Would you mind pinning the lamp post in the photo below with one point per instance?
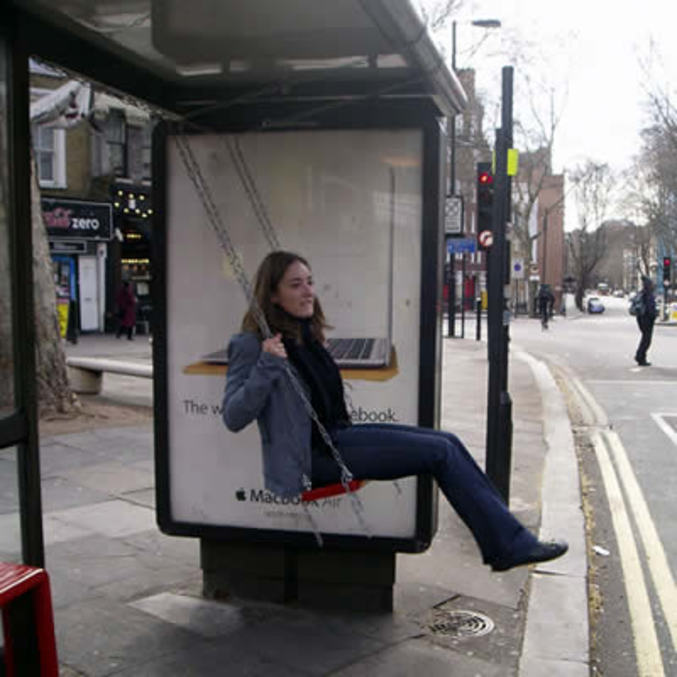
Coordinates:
(451, 296)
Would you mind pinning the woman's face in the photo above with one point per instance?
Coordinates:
(295, 292)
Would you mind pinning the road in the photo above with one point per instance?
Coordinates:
(628, 452)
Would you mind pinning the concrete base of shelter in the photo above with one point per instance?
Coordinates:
(344, 580)
(84, 381)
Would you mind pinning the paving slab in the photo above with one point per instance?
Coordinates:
(111, 478)
(59, 493)
(420, 657)
(216, 660)
(303, 643)
(113, 518)
(100, 639)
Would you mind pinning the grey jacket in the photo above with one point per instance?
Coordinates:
(258, 387)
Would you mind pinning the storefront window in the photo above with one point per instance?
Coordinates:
(146, 151)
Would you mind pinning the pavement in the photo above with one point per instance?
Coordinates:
(127, 599)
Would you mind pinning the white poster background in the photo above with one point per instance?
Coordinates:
(328, 196)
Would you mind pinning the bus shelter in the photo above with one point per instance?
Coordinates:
(312, 126)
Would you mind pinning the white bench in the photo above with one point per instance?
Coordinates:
(85, 374)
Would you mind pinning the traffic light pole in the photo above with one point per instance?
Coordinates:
(499, 402)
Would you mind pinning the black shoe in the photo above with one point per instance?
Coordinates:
(541, 551)
(644, 363)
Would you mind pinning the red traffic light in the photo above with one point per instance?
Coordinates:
(485, 178)
(666, 260)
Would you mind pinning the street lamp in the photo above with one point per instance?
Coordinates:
(479, 23)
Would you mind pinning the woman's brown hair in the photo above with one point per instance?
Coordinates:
(266, 281)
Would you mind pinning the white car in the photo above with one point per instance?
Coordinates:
(595, 305)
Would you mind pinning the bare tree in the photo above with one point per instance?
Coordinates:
(593, 185)
(54, 392)
(654, 180)
(538, 112)
(642, 242)
(436, 13)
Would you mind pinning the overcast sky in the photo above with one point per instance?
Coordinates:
(590, 51)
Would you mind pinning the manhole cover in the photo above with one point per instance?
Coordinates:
(460, 623)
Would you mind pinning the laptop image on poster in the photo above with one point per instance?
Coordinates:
(355, 353)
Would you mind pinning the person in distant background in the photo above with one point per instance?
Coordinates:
(126, 304)
(545, 301)
(646, 317)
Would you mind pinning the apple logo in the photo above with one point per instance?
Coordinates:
(241, 495)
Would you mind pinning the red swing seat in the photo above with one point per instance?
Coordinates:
(331, 490)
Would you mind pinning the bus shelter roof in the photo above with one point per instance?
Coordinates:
(181, 55)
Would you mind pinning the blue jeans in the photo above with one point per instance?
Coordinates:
(388, 452)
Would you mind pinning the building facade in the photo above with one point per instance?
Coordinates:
(94, 176)
(471, 147)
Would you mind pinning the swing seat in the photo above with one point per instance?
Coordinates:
(331, 490)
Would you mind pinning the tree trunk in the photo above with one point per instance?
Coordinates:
(578, 297)
(54, 392)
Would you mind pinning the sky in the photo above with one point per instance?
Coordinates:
(590, 52)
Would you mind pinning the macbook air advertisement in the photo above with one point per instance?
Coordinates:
(350, 202)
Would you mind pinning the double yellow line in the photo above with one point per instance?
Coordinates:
(616, 472)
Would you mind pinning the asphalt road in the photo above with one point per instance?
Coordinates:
(628, 455)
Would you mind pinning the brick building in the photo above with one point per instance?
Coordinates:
(538, 243)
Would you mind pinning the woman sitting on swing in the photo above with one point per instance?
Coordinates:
(258, 388)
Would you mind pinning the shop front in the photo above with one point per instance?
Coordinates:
(131, 260)
(79, 233)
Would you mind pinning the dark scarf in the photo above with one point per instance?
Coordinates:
(319, 371)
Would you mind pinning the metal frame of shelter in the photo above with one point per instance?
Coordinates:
(415, 94)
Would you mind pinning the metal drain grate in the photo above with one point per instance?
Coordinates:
(460, 624)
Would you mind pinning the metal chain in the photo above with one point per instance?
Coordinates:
(249, 185)
(195, 174)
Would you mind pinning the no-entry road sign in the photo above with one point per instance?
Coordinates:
(485, 239)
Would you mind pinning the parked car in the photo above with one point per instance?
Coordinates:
(595, 305)
(619, 293)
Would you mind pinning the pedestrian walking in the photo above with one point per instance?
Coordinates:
(296, 448)
(126, 310)
(644, 305)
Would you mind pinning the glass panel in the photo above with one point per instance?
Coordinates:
(117, 159)
(10, 526)
(46, 166)
(46, 138)
(6, 339)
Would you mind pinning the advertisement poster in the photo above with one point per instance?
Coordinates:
(350, 202)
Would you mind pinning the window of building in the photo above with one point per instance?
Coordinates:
(146, 151)
(50, 156)
(116, 139)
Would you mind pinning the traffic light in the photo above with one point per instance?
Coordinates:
(667, 264)
(485, 202)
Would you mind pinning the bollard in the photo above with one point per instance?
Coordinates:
(478, 326)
